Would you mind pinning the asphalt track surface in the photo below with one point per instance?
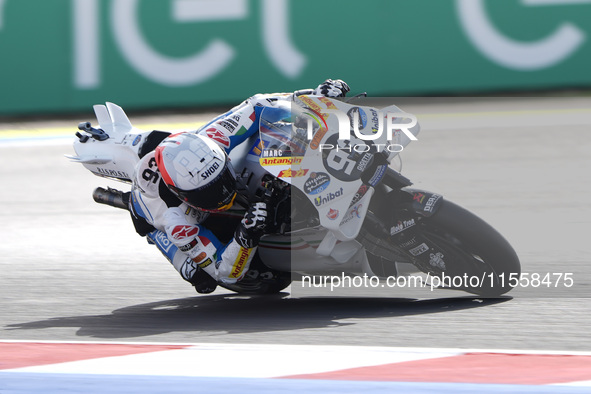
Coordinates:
(73, 270)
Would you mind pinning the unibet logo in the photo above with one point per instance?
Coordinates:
(329, 197)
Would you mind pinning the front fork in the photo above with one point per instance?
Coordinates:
(405, 226)
(393, 231)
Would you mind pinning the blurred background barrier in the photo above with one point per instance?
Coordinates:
(65, 55)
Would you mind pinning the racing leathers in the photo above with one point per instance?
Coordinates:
(177, 228)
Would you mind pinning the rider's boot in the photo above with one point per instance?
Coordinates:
(203, 282)
(186, 267)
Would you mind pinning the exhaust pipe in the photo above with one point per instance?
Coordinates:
(112, 197)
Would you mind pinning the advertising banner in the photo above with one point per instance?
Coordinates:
(65, 55)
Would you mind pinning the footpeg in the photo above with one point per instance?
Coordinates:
(112, 197)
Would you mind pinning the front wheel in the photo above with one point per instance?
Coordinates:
(464, 246)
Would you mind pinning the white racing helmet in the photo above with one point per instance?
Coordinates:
(197, 171)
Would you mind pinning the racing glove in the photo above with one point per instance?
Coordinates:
(331, 88)
(252, 227)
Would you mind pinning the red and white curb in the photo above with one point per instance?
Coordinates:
(353, 363)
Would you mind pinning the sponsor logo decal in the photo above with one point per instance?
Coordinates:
(408, 243)
(228, 124)
(422, 248)
(240, 261)
(353, 213)
(180, 232)
(189, 246)
(113, 173)
(188, 269)
(313, 106)
(431, 202)
(243, 241)
(320, 200)
(275, 161)
(315, 143)
(359, 195)
(376, 121)
(317, 182)
(378, 175)
(162, 241)
(319, 118)
(136, 140)
(218, 137)
(289, 173)
(276, 153)
(436, 260)
(332, 214)
(361, 118)
(205, 263)
(200, 257)
(365, 160)
(210, 171)
(257, 148)
(355, 210)
(418, 197)
(329, 104)
(401, 226)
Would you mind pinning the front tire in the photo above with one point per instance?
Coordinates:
(471, 248)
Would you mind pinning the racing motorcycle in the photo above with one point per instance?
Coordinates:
(337, 205)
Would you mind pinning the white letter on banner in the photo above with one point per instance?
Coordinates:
(276, 39)
(1, 12)
(85, 33)
(514, 54)
(554, 2)
(165, 69)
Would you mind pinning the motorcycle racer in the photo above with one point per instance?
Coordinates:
(187, 176)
